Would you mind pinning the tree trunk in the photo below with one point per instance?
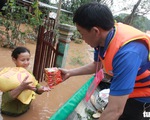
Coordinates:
(129, 19)
(58, 13)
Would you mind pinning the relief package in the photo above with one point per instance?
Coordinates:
(53, 76)
(102, 99)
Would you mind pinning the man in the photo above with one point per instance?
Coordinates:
(124, 54)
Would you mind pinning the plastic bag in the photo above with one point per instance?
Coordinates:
(53, 76)
(101, 99)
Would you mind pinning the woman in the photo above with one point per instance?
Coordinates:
(10, 104)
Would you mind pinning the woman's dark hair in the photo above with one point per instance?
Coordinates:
(94, 14)
(19, 50)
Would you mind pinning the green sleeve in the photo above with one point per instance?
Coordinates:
(11, 106)
(6, 97)
(38, 86)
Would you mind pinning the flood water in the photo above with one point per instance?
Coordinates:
(45, 105)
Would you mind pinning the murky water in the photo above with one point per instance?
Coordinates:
(45, 105)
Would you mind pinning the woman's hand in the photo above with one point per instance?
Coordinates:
(26, 84)
(23, 86)
(42, 89)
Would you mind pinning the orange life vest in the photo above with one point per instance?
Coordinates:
(123, 35)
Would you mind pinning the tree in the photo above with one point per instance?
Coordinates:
(72, 5)
(13, 18)
(140, 22)
(129, 19)
(133, 8)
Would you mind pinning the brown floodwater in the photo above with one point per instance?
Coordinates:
(45, 105)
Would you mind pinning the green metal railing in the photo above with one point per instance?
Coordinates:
(67, 108)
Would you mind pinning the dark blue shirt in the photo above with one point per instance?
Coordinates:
(125, 64)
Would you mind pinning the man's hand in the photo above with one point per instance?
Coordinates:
(64, 73)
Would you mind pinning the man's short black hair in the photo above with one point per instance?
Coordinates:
(94, 14)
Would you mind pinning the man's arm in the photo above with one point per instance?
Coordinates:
(84, 70)
(87, 69)
(114, 108)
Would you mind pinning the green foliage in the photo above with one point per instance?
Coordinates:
(77, 61)
(35, 19)
(89, 112)
(78, 41)
(139, 22)
(72, 5)
(120, 17)
(77, 38)
(66, 18)
(79, 116)
(13, 18)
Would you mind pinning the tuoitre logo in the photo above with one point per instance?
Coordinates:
(146, 114)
